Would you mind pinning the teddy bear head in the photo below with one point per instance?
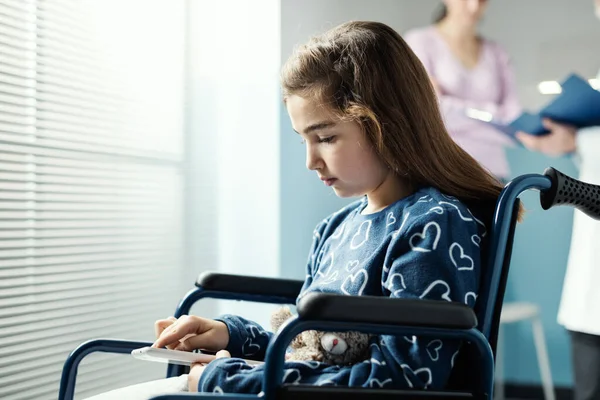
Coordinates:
(338, 348)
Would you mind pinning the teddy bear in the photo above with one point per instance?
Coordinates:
(337, 348)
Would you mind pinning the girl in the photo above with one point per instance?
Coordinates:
(469, 71)
(368, 116)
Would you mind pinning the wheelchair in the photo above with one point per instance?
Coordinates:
(473, 373)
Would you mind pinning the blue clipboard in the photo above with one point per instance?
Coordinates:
(526, 122)
(578, 104)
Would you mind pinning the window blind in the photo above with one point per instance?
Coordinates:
(91, 185)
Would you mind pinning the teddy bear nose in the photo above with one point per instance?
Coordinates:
(335, 342)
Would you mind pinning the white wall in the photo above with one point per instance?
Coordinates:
(546, 38)
(234, 141)
(302, 19)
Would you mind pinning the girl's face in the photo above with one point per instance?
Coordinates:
(468, 11)
(338, 151)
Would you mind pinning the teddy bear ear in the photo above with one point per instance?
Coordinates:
(279, 316)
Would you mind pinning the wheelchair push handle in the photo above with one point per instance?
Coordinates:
(567, 191)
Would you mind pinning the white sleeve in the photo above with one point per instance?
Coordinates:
(587, 157)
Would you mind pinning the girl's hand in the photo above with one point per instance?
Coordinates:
(190, 332)
(162, 324)
(197, 370)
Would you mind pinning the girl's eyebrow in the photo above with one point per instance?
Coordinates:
(317, 126)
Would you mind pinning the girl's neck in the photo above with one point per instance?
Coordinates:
(392, 189)
(457, 31)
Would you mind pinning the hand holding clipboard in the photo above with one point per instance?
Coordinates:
(577, 105)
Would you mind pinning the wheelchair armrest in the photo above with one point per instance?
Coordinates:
(251, 285)
(385, 310)
(69, 372)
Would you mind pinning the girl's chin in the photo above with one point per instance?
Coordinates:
(340, 192)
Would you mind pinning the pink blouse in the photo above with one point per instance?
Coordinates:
(488, 86)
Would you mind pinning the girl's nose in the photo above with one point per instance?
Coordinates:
(313, 160)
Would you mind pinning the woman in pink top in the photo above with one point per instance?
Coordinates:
(469, 72)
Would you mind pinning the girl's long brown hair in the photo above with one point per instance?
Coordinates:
(365, 71)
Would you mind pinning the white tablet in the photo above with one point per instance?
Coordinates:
(175, 356)
(171, 356)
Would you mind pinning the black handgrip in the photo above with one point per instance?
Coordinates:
(566, 191)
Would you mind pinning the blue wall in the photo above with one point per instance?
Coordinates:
(539, 257)
(537, 272)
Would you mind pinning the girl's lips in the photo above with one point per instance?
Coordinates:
(329, 181)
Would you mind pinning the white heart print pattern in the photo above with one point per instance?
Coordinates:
(470, 295)
(351, 265)
(332, 277)
(412, 339)
(325, 382)
(375, 361)
(395, 281)
(451, 198)
(464, 218)
(432, 228)
(309, 364)
(453, 358)
(424, 374)
(397, 231)
(250, 348)
(433, 349)
(324, 271)
(359, 279)
(292, 376)
(338, 232)
(461, 261)
(350, 272)
(437, 209)
(482, 225)
(361, 237)
(376, 383)
(319, 258)
(479, 222)
(391, 220)
(441, 284)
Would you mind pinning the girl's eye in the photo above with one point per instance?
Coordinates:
(327, 139)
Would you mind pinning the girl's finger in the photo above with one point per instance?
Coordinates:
(222, 354)
(185, 344)
(173, 333)
(162, 324)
